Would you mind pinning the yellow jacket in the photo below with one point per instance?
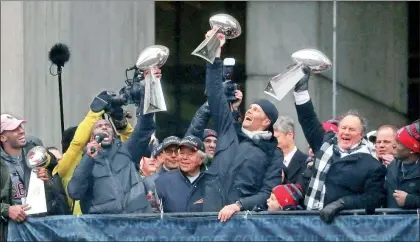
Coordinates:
(71, 159)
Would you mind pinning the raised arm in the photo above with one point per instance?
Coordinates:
(219, 106)
(199, 121)
(138, 142)
(311, 126)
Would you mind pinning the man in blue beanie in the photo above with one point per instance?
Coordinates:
(243, 171)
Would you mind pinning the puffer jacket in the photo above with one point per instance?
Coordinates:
(243, 169)
(71, 158)
(110, 183)
(199, 121)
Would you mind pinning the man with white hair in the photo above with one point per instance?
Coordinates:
(294, 159)
(346, 175)
(181, 190)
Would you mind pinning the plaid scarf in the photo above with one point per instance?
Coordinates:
(314, 200)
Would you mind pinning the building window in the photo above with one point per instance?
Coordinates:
(181, 27)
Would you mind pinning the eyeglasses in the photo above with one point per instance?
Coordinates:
(170, 151)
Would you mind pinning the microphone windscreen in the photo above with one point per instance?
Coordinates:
(59, 54)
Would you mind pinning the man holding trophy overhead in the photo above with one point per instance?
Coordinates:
(106, 180)
(242, 173)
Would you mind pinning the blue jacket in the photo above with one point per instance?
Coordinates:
(408, 182)
(178, 194)
(242, 170)
(110, 183)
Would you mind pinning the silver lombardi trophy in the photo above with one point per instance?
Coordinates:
(278, 86)
(153, 56)
(36, 198)
(225, 24)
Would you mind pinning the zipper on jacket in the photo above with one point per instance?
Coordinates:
(115, 182)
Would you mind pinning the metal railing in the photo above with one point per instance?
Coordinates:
(378, 212)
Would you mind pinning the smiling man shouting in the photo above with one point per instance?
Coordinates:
(243, 171)
(346, 175)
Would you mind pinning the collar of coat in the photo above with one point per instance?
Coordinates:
(263, 139)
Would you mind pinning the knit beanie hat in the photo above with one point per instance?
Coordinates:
(409, 136)
(270, 110)
(288, 195)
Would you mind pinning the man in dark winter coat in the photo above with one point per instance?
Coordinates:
(346, 175)
(242, 173)
(181, 190)
(403, 176)
(106, 180)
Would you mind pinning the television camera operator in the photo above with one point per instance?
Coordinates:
(106, 180)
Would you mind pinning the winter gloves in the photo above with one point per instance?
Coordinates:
(303, 83)
(331, 210)
(101, 102)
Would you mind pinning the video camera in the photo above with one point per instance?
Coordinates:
(133, 91)
(229, 85)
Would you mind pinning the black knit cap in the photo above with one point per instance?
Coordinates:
(208, 133)
(270, 110)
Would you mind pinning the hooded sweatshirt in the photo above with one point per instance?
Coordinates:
(19, 174)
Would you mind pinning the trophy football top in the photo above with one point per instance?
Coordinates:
(314, 59)
(155, 55)
(36, 157)
(228, 25)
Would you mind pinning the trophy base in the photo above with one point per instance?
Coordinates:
(36, 196)
(154, 100)
(208, 48)
(280, 85)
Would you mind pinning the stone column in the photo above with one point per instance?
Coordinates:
(104, 38)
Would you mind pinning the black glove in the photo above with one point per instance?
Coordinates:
(328, 212)
(303, 83)
(101, 102)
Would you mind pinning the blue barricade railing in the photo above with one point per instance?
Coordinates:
(351, 225)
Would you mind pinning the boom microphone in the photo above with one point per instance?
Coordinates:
(59, 54)
(98, 138)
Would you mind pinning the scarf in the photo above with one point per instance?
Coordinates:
(257, 135)
(314, 199)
